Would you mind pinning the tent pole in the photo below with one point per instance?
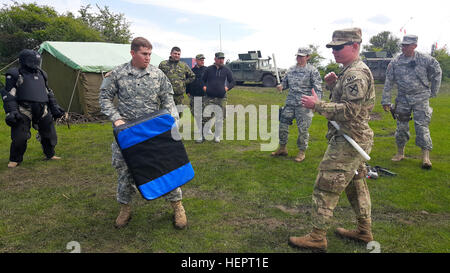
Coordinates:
(73, 92)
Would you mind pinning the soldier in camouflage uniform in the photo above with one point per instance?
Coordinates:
(418, 77)
(141, 89)
(352, 99)
(300, 79)
(178, 73)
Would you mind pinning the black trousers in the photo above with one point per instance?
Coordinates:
(20, 133)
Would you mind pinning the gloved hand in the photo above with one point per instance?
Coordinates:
(12, 118)
(57, 112)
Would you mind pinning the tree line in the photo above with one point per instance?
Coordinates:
(28, 25)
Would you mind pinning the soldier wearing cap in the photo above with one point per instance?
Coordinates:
(418, 78)
(342, 167)
(179, 74)
(300, 79)
(218, 80)
(195, 92)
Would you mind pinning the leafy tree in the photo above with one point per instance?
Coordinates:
(443, 57)
(330, 67)
(113, 27)
(28, 25)
(384, 41)
(315, 58)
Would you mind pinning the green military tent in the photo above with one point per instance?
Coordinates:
(76, 70)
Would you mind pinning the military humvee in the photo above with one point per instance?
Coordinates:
(250, 67)
(377, 62)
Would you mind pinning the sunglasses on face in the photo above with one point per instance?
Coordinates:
(340, 47)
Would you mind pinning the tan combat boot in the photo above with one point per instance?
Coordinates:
(316, 240)
(124, 216)
(300, 157)
(426, 163)
(13, 164)
(363, 233)
(282, 151)
(400, 154)
(180, 220)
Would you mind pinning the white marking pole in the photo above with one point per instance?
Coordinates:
(352, 142)
(276, 68)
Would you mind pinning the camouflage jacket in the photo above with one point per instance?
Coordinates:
(139, 92)
(418, 78)
(178, 73)
(300, 81)
(352, 100)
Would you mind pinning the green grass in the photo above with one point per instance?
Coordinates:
(241, 200)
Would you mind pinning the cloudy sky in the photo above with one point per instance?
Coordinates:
(279, 27)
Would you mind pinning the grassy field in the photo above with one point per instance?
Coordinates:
(241, 200)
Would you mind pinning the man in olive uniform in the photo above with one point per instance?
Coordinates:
(342, 167)
(141, 89)
(179, 74)
(29, 102)
(418, 77)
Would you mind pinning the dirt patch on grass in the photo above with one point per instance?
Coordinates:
(294, 211)
(375, 116)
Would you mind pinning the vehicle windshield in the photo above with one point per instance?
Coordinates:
(264, 63)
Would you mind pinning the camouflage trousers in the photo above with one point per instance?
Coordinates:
(337, 174)
(126, 188)
(178, 99)
(422, 116)
(303, 116)
(197, 109)
(216, 109)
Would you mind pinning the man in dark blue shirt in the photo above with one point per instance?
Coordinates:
(196, 94)
(218, 80)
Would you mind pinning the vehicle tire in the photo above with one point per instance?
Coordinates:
(239, 82)
(269, 81)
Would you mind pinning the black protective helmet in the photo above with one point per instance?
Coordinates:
(30, 59)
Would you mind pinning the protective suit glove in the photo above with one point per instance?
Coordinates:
(12, 118)
(57, 112)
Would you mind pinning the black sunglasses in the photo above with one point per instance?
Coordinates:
(340, 47)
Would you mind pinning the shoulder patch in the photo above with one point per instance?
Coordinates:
(351, 78)
(352, 89)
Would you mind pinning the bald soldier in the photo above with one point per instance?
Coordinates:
(342, 167)
(418, 77)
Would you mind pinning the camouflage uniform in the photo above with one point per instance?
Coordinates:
(353, 98)
(139, 92)
(418, 78)
(179, 75)
(299, 80)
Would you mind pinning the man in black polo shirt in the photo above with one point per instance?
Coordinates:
(218, 80)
